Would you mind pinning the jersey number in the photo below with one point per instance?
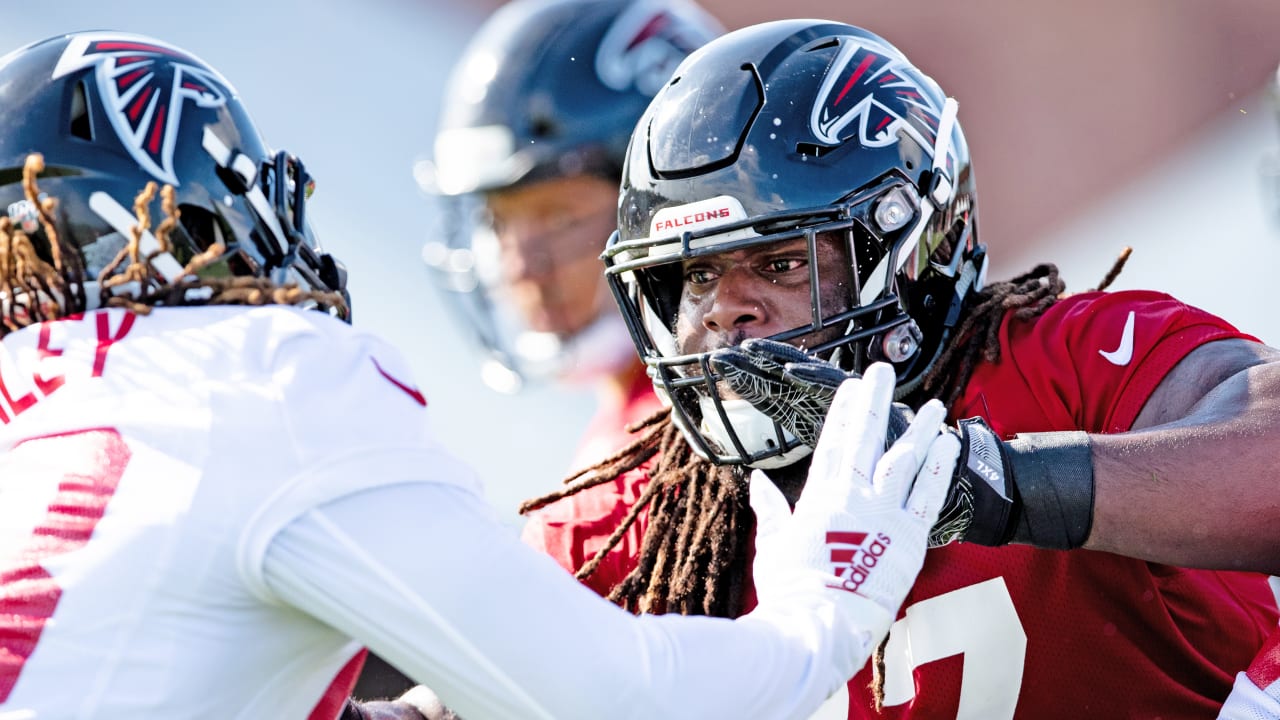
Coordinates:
(979, 622)
(89, 465)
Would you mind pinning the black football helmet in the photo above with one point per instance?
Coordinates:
(781, 131)
(111, 112)
(546, 89)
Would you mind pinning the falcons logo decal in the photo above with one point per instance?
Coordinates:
(874, 90)
(144, 86)
(643, 47)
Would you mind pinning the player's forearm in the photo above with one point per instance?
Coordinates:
(500, 631)
(1200, 491)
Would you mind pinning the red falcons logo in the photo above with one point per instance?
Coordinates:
(144, 86)
(871, 92)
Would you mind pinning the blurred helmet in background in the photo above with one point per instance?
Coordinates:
(545, 96)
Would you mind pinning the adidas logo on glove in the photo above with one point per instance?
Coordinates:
(851, 560)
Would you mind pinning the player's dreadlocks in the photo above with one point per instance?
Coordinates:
(692, 559)
(34, 290)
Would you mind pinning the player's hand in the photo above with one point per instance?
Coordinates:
(790, 386)
(1035, 489)
(859, 530)
(981, 503)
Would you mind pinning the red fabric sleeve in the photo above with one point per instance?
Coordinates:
(1085, 364)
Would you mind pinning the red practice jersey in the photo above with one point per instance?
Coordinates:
(607, 431)
(1017, 632)
(575, 528)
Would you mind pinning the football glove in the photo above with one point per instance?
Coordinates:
(790, 386)
(859, 529)
(1036, 489)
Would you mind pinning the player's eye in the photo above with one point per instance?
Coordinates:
(698, 276)
(782, 265)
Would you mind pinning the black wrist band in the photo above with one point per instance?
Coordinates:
(1053, 472)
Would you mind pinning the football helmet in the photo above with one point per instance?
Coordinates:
(790, 130)
(111, 112)
(547, 89)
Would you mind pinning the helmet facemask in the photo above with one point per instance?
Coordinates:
(856, 315)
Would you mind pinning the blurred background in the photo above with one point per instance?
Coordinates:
(1093, 125)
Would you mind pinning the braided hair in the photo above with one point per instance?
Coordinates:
(36, 290)
(693, 557)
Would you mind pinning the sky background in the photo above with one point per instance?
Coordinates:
(1093, 125)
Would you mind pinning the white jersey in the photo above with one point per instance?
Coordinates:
(209, 512)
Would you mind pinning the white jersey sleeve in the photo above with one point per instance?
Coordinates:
(434, 583)
(414, 564)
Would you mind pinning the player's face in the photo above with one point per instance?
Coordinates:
(758, 292)
(550, 235)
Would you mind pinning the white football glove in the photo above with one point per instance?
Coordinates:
(859, 531)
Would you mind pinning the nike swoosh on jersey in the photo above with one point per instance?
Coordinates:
(1123, 354)
(411, 391)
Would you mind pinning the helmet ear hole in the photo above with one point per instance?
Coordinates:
(79, 124)
(202, 229)
(200, 226)
(542, 126)
(947, 254)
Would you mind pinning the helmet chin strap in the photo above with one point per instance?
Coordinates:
(757, 432)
